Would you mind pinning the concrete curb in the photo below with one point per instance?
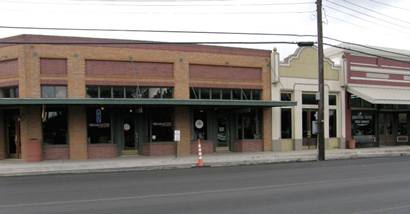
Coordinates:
(187, 163)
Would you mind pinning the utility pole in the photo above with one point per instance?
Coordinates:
(321, 133)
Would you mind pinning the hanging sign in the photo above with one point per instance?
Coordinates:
(199, 124)
(98, 116)
(127, 127)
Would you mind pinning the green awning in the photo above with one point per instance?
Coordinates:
(143, 102)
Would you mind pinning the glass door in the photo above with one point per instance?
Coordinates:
(386, 133)
(310, 127)
(223, 132)
(13, 135)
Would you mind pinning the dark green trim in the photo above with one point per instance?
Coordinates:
(125, 101)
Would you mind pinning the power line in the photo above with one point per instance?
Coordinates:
(197, 32)
(362, 19)
(365, 14)
(376, 12)
(141, 43)
(390, 5)
(168, 5)
(156, 31)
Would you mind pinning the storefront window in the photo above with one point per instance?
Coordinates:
(286, 123)
(363, 127)
(9, 92)
(202, 132)
(53, 91)
(332, 123)
(55, 126)
(98, 125)
(161, 125)
(249, 125)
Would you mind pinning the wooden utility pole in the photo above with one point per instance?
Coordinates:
(321, 133)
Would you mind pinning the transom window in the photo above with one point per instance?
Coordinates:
(225, 94)
(128, 92)
(9, 92)
(53, 91)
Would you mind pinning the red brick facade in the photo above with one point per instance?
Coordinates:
(248, 146)
(100, 151)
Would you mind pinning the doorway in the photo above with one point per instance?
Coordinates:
(12, 129)
(310, 128)
(223, 133)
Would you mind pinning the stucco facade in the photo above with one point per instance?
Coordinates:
(296, 76)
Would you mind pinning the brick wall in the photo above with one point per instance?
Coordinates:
(100, 151)
(159, 149)
(207, 147)
(248, 146)
(55, 152)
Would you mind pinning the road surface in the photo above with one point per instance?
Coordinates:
(378, 185)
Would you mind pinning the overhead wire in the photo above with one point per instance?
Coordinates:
(375, 11)
(367, 15)
(198, 32)
(389, 5)
(367, 20)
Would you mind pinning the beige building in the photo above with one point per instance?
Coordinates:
(296, 79)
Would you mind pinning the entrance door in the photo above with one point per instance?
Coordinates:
(310, 126)
(13, 134)
(386, 132)
(129, 134)
(223, 132)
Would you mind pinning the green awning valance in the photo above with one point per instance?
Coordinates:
(143, 102)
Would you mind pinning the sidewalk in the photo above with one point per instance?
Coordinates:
(13, 167)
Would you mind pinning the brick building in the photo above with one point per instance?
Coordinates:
(84, 98)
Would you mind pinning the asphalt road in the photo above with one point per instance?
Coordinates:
(380, 185)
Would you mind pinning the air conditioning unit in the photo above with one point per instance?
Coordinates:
(402, 139)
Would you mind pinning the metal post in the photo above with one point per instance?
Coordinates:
(321, 134)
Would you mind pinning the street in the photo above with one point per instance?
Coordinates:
(377, 185)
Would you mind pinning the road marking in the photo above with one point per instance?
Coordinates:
(240, 189)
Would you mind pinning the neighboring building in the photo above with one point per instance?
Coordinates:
(296, 79)
(101, 99)
(378, 95)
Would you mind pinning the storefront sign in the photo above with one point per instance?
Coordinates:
(177, 135)
(362, 120)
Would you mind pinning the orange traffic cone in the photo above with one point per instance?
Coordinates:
(200, 162)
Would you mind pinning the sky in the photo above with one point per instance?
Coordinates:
(382, 23)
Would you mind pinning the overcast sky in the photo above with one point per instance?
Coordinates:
(373, 22)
